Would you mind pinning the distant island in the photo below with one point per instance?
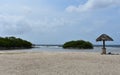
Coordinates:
(79, 44)
(14, 43)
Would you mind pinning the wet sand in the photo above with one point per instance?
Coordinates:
(58, 63)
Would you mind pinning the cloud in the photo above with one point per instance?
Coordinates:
(48, 25)
(9, 9)
(13, 25)
(93, 5)
(13, 19)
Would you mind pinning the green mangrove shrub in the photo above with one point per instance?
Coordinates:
(79, 44)
(13, 42)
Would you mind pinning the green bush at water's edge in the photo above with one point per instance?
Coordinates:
(13, 42)
(79, 44)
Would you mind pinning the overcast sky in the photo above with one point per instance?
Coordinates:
(58, 21)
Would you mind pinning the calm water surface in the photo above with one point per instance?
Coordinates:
(59, 49)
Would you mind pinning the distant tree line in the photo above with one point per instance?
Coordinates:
(13, 42)
(79, 44)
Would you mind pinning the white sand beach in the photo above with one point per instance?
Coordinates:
(58, 63)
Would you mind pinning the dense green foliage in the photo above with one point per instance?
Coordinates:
(12, 42)
(79, 44)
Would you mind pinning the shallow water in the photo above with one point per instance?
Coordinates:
(60, 49)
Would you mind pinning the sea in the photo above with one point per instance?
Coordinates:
(98, 49)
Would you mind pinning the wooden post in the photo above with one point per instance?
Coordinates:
(103, 43)
(103, 49)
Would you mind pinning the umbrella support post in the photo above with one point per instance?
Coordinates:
(103, 51)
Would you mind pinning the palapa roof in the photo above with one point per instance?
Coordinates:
(104, 37)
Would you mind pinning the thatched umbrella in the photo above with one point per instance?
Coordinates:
(104, 38)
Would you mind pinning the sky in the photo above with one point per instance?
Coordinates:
(59, 21)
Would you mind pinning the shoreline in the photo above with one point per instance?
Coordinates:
(95, 50)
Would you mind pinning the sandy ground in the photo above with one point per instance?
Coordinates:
(58, 63)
